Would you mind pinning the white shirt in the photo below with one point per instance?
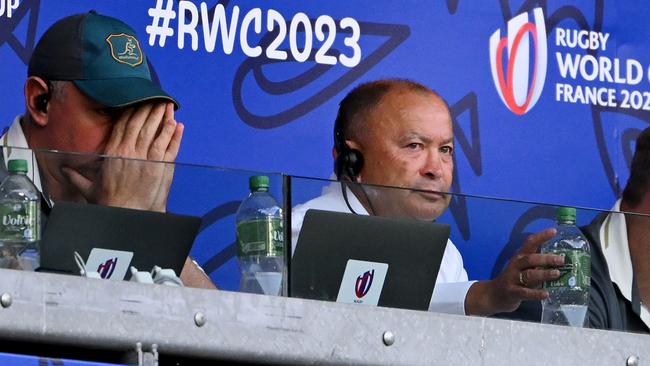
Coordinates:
(614, 244)
(15, 137)
(451, 284)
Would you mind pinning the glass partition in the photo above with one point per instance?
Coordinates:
(213, 194)
(485, 233)
(489, 234)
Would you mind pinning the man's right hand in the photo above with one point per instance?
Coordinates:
(146, 132)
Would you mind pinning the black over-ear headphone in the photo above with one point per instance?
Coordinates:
(349, 161)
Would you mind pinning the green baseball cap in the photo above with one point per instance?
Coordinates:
(101, 56)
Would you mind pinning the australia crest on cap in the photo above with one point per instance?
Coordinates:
(125, 49)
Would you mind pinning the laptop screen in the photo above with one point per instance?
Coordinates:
(111, 239)
(353, 258)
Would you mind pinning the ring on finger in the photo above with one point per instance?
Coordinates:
(523, 279)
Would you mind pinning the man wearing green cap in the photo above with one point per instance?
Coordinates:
(89, 90)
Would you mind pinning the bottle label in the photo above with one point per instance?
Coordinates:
(260, 237)
(576, 271)
(20, 221)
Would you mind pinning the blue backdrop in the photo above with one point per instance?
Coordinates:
(552, 120)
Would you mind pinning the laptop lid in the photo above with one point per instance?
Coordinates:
(111, 239)
(343, 256)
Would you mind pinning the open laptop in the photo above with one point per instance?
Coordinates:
(111, 239)
(367, 259)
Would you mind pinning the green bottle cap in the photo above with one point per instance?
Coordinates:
(17, 165)
(257, 182)
(564, 214)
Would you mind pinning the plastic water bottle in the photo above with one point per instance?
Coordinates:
(260, 240)
(569, 294)
(20, 219)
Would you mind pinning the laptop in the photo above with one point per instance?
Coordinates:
(111, 239)
(368, 260)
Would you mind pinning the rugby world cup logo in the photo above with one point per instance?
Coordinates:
(519, 81)
(106, 269)
(364, 282)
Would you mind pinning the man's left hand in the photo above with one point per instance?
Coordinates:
(520, 280)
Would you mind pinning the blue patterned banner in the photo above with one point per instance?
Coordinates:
(547, 96)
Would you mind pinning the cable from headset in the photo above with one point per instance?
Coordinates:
(344, 192)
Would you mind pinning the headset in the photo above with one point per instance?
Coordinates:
(349, 161)
(43, 99)
(41, 102)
